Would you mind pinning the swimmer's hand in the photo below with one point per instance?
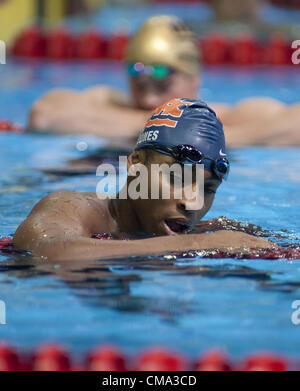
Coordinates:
(234, 241)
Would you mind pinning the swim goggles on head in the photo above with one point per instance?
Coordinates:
(157, 72)
(191, 155)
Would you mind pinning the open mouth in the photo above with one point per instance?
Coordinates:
(176, 226)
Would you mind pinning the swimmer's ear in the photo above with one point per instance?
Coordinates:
(135, 158)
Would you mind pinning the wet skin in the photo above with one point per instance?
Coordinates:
(170, 216)
(61, 225)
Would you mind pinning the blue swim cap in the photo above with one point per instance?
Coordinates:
(185, 121)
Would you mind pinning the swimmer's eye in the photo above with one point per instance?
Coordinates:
(209, 190)
(153, 85)
(161, 86)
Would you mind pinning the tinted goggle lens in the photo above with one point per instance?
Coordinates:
(222, 168)
(189, 153)
(157, 72)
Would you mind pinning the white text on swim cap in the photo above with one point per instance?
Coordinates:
(151, 135)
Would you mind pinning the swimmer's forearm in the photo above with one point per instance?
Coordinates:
(80, 124)
(79, 115)
(90, 249)
(279, 130)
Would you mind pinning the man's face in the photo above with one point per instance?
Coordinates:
(174, 216)
(149, 93)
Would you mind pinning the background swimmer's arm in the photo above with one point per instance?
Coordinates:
(252, 110)
(262, 121)
(44, 108)
(221, 109)
(99, 111)
(280, 131)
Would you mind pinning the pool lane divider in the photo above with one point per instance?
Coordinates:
(5, 243)
(214, 48)
(54, 357)
(9, 126)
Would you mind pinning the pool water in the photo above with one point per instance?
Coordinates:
(189, 304)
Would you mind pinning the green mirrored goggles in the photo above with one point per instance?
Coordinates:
(157, 72)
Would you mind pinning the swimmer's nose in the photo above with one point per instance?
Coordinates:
(192, 206)
(151, 101)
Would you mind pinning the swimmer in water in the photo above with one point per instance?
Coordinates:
(162, 63)
(62, 226)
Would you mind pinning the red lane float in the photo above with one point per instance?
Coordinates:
(106, 359)
(215, 48)
(279, 51)
(213, 361)
(9, 359)
(245, 50)
(159, 359)
(263, 362)
(6, 246)
(30, 43)
(53, 357)
(60, 45)
(91, 46)
(5, 242)
(8, 126)
(116, 46)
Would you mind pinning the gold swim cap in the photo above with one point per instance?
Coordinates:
(165, 40)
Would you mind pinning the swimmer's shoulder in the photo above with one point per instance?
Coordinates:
(87, 201)
(100, 94)
(251, 110)
(70, 207)
(63, 198)
(63, 195)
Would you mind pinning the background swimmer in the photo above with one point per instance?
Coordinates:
(162, 63)
(62, 225)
